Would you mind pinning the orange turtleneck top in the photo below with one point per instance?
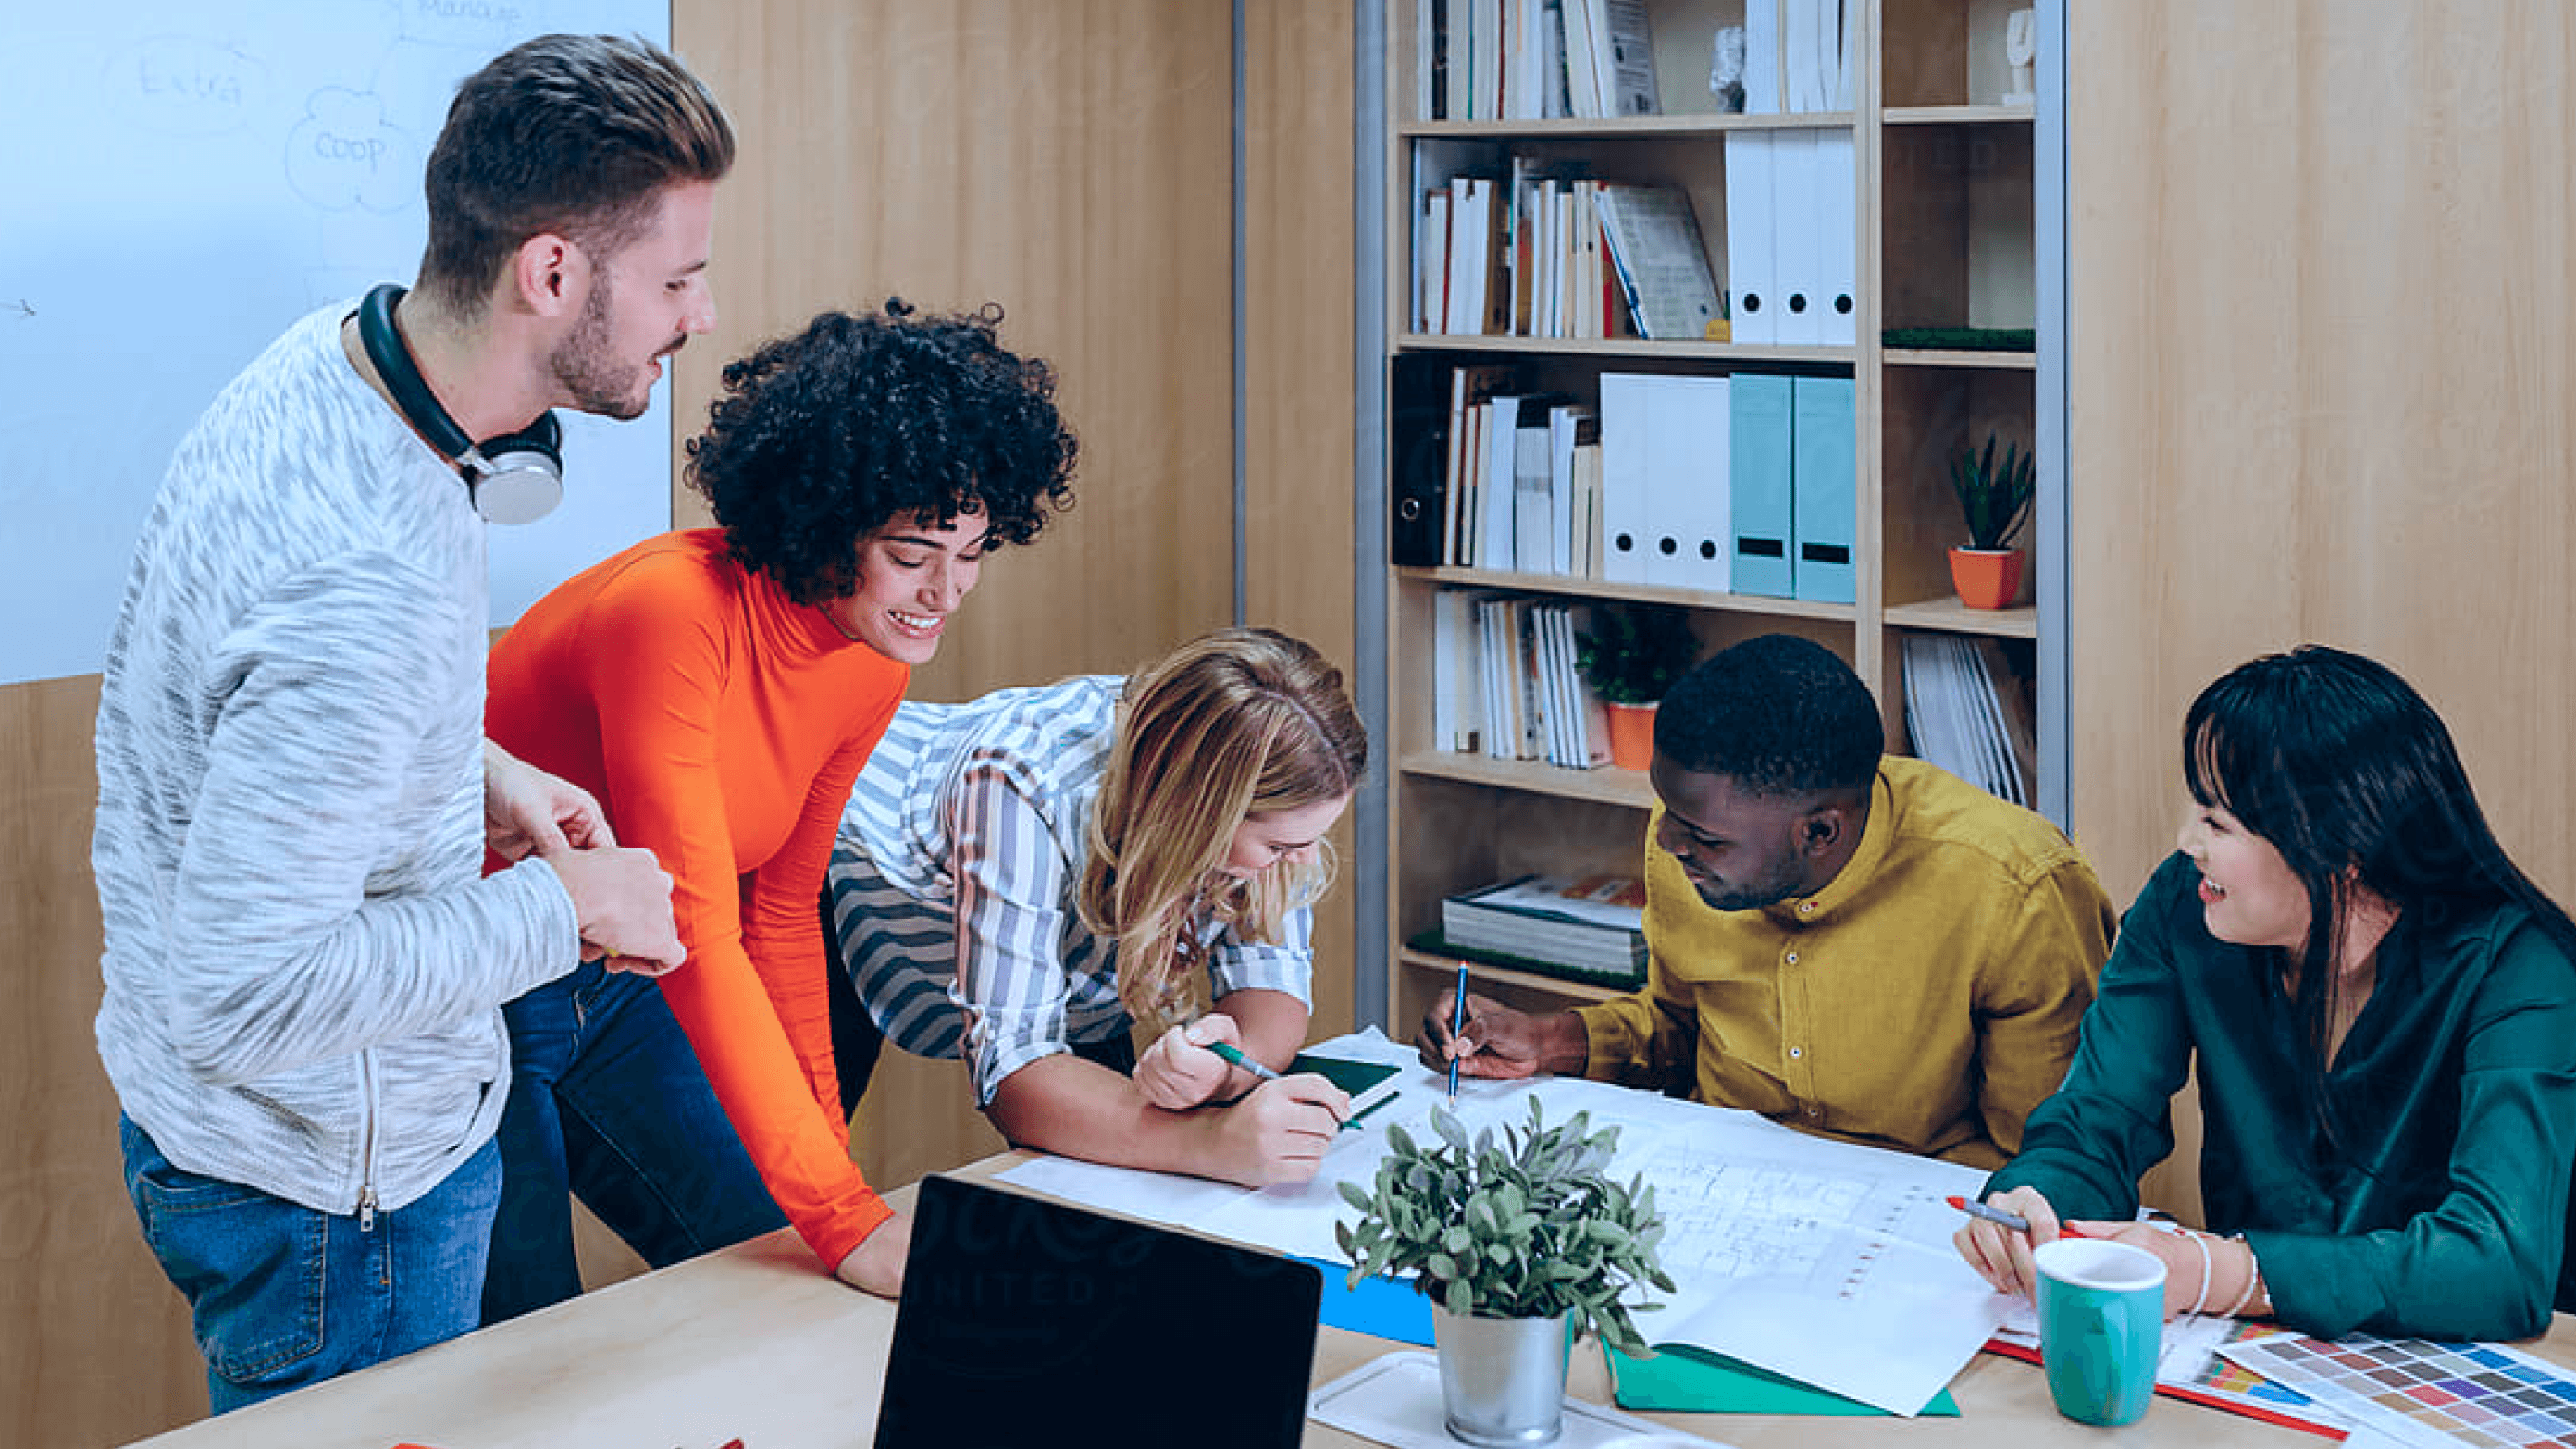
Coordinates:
(720, 725)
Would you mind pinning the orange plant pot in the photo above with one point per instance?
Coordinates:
(1986, 578)
(1632, 735)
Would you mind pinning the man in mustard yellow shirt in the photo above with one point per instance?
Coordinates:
(1855, 944)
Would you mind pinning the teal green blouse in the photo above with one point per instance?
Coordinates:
(2438, 1203)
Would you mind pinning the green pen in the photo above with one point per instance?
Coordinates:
(1227, 1051)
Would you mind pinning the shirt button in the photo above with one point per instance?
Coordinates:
(1815, 1111)
(1791, 958)
(1796, 1052)
(1806, 908)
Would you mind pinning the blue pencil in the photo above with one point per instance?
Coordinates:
(1457, 1024)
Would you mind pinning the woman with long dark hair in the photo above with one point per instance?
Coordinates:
(2381, 1008)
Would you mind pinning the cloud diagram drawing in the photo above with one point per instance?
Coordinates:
(345, 154)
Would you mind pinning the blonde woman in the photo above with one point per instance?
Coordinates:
(1022, 879)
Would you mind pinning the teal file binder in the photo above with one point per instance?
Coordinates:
(1758, 459)
(1821, 468)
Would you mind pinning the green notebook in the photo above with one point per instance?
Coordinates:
(1683, 1380)
(1343, 1071)
(1364, 1081)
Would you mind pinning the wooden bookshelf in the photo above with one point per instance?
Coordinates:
(1943, 212)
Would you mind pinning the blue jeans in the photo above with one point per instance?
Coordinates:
(607, 1101)
(284, 1296)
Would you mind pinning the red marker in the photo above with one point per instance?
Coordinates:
(2014, 1221)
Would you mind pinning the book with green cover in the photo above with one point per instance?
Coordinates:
(1432, 942)
(1362, 1080)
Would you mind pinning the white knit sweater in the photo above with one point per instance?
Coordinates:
(304, 963)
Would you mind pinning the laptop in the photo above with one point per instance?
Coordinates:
(1027, 1322)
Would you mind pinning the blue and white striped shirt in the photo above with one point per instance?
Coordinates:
(951, 892)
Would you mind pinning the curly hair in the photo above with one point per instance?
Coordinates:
(825, 437)
(1778, 715)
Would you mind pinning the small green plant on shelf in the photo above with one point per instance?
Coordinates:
(1633, 653)
(1524, 1226)
(1994, 497)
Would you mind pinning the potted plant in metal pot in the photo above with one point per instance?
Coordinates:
(1995, 499)
(1521, 1242)
(1630, 654)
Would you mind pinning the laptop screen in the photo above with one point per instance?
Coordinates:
(1027, 1322)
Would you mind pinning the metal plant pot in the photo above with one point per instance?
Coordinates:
(1502, 1380)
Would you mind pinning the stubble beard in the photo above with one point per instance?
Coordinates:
(584, 366)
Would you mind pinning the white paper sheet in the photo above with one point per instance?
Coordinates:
(1826, 1261)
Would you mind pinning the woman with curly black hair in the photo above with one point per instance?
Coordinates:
(718, 691)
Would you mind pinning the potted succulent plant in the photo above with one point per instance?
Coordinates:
(1995, 499)
(1630, 655)
(1520, 1242)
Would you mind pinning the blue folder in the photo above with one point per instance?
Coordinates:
(1757, 443)
(1381, 1306)
(1822, 467)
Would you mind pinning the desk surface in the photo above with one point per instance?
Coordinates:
(755, 1343)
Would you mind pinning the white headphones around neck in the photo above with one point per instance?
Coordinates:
(514, 478)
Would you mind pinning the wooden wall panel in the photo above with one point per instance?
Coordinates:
(2322, 357)
(1300, 383)
(94, 1344)
(2322, 361)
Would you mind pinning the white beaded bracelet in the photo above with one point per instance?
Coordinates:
(2253, 1275)
(2200, 1299)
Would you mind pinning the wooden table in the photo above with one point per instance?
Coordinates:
(756, 1343)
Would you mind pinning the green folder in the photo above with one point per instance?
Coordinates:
(1352, 1077)
(1685, 1380)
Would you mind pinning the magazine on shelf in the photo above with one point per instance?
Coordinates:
(1594, 923)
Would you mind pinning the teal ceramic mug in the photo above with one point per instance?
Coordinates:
(2101, 1324)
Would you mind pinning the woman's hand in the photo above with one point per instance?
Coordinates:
(2000, 1254)
(876, 1264)
(1280, 1133)
(1178, 1071)
(2190, 1259)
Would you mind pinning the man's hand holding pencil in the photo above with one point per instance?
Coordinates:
(1490, 1039)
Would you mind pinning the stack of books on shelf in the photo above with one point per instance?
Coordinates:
(1505, 685)
(1529, 60)
(1798, 55)
(1592, 927)
(1525, 248)
(1719, 484)
(1969, 713)
(1521, 478)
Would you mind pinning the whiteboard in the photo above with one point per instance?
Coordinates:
(185, 179)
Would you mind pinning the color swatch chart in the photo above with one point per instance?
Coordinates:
(2423, 1392)
(2239, 1384)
